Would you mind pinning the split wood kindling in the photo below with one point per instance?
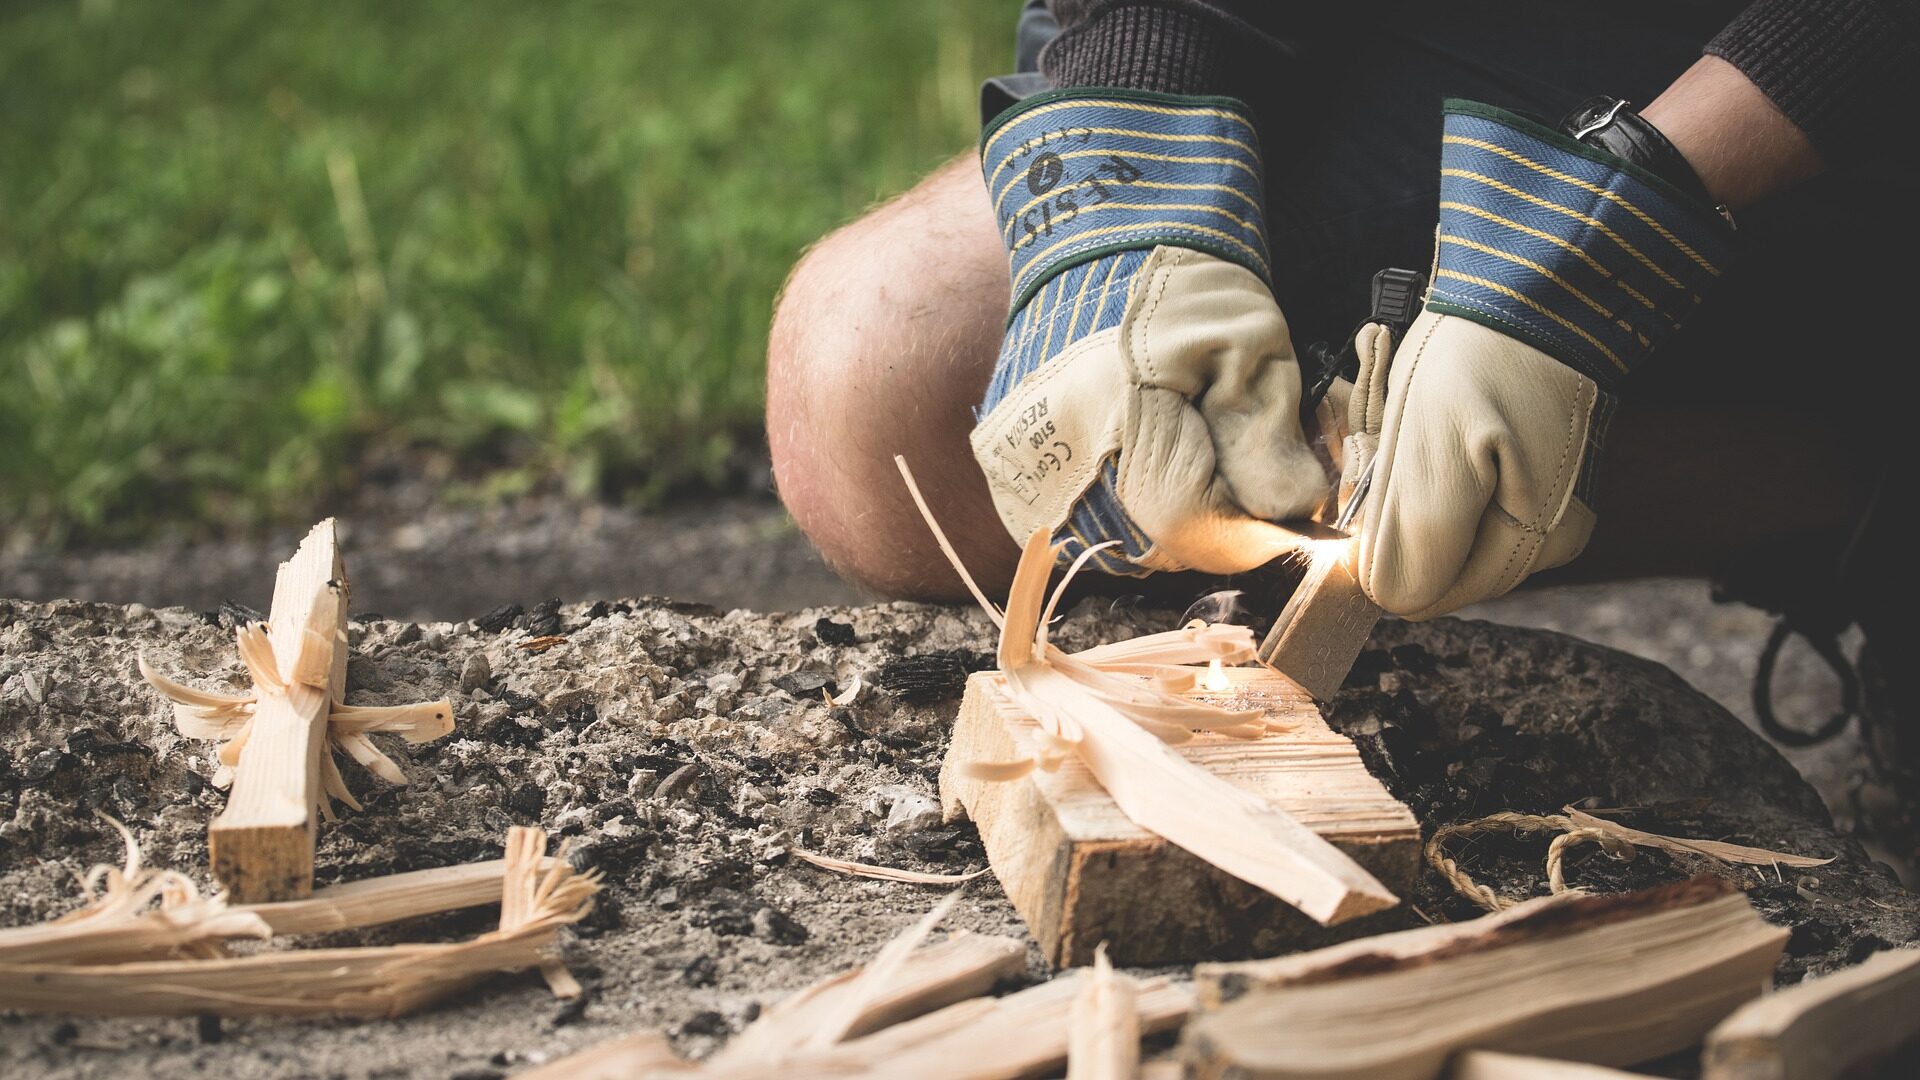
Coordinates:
(1325, 623)
(276, 742)
(148, 944)
(1119, 711)
(1832, 1026)
(916, 1010)
(1607, 980)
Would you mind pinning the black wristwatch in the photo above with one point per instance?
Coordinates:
(1610, 124)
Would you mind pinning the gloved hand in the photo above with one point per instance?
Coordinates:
(1146, 390)
(1559, 267)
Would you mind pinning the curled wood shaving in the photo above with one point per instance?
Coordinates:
(1119, 725)
(1716, 850)
(882, 873)
(1103, 1027)
(849, 695)
(228, 718)
(539, 897)
(132, 912)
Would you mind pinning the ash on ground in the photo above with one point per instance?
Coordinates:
(686, 752)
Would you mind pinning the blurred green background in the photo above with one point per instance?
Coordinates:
(249, 249)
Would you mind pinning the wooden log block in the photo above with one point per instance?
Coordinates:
(1608, 980)
(1325, 623)
(1080, 872)
(1836, 1025)
(261, 845)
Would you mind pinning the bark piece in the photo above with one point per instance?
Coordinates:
(1080, 871)
(1326, 622)
(261, 845)
(1610, 980)
(1830, 1026)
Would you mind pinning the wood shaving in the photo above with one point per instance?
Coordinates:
(133, 912)
(883, 873)
(1716, 850)
(541, 644)
(849, 695)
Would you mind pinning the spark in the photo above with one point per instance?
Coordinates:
(1216, 679)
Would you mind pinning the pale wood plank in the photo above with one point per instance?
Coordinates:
(261, 845)
(1611, 981)
(1823, 1028)
(1326, 622)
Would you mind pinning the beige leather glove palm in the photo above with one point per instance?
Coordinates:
(1557, 266)
(1480, 446)
(1175, 431)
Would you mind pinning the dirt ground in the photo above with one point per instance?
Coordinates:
(707, 917)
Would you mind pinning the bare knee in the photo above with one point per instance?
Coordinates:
(881, 344)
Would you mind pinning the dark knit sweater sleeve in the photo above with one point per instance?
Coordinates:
(1169, 46)
(1846, 72)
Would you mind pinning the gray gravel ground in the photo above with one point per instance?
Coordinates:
(684, 751)
(415, 558)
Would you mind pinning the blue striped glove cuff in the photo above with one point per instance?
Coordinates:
(1078, 174)
(1587, 257)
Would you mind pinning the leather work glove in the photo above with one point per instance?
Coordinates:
(1559, 266)
(1146, 390)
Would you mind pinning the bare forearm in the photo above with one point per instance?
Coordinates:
(1743, 147)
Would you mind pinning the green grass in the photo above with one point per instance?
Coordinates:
(246, 248)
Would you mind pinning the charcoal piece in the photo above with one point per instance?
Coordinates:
(543, 620)
(706, 1022)
(807, 683)
(41, 766)
(499, 618)
(931, 676)
(833, 633)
